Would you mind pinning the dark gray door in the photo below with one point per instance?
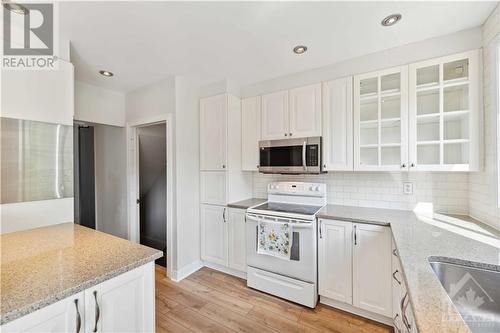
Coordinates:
(86, 176)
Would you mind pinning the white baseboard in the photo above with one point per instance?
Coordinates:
(187, 270)
(227, 270)
(352, 309)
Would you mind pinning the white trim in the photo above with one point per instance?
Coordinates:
(132, 183)
(227, 270)
(497, 89)
(184, 272)
(359, 312)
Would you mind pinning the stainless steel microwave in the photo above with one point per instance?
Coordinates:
(290, 156)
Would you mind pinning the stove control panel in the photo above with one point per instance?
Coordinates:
(297, 189)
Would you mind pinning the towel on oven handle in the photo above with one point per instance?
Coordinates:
(274, 239)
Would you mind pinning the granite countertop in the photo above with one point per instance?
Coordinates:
(244, 204)
(419, 236)
(41, 266)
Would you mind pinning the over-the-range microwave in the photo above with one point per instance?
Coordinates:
(291, 156)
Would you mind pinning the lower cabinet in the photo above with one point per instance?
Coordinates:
(236, 237)
(223, 236)
(402, 312)
(355, 265)
(122, 304)
(66, 315)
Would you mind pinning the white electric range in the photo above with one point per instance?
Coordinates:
(295, 204)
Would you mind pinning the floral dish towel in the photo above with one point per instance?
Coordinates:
(275, 239)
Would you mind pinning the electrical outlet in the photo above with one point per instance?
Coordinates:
(407, 187)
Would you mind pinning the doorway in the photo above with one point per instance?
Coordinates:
(152, 200)
(84, 175)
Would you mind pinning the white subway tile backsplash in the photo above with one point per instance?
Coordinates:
(447, 192)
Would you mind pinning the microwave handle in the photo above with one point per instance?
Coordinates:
(304, 147)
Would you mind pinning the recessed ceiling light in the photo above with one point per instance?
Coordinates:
(106, 73)
(391, 20)
(299, 49)
(15, 8)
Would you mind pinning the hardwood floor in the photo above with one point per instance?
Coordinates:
(210, 301)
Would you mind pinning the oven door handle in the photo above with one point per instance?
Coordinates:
(295, 225)
(304, 147)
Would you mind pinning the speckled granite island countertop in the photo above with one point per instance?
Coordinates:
(419, 236)
(244, 204)
(41, 266)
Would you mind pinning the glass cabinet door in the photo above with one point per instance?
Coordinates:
(380, 118)
(443, 113)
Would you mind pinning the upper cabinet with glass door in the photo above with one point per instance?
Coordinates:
(380, 120)
(444, 108)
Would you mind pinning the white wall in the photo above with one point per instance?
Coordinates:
(445, 192)
(431, 48)
(110, 175)
(46, 96)
(180, 97)
(99, 105)
(187, 171)
(483, 185)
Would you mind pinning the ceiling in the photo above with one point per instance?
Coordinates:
(248, 42)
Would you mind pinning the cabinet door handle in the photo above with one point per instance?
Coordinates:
(97, 311)
(320, 231)
(290, 134)
(394, 276)
(78, 317)
(223, 166)
(403, 165)
(224, 215)
(403, 309)
(395, 323)
(286, 134)
(412, 165)
(395, 253)
(355, 236)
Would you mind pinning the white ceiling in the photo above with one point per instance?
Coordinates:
(243, 41)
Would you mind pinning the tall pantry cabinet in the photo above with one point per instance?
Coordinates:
(221, 177)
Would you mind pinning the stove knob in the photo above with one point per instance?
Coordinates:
(311, 188)
(317, 189)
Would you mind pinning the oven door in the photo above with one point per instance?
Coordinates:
(290, 156)
(303, 262)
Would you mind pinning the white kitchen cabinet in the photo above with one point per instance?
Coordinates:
(337, 125)
(222, 179)
(355, 267)
(335, 260)
(125, 303)
(403, 320)
(372, 261)
(445, 109)
(237, 239)
(122, 304)
(250, 133)
(213, 133)
(214, 234)
(213, 187)
(381, 120)
(66, 315)
(305, 111)
(275, 116)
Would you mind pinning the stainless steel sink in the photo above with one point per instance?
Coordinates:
(474, 291)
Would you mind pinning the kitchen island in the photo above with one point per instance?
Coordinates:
(77, 276)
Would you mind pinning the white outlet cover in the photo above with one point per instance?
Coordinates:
(408, 187)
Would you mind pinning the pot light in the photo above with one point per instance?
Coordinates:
(15, 8)
(106, 73)
(299, 49)
(391, 20)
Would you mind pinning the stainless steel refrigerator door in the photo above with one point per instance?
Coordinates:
(36, 161)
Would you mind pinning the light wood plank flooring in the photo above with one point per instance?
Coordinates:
(210, 301)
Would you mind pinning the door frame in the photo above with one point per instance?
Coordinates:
(133, 182)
